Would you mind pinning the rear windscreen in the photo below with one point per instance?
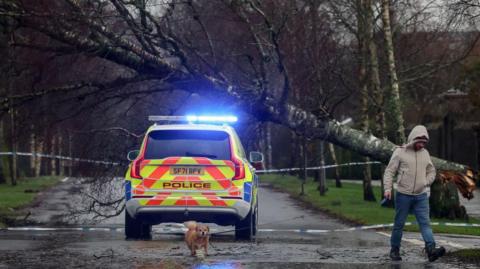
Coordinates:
(188, 143)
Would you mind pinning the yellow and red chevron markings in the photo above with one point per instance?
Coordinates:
(217, 173)
(166, 199)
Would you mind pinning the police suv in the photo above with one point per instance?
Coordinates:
(196, 170)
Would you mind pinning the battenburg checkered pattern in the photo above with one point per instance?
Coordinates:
(161, 187)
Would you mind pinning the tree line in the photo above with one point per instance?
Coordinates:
(74, 66)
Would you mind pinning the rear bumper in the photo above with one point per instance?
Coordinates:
(213, 214)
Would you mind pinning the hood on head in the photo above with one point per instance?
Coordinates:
(417, 131)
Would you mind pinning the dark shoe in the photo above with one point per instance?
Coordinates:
(395, 254)
(435, 253)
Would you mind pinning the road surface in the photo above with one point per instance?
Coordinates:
(275, 247)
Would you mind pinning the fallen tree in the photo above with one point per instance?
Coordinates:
(151, 51)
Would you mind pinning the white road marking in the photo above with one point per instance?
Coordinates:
(65, 179)
(417, 242)
(171, 229)
(411, 241)
(455, 245)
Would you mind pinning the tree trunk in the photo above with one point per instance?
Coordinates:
(476, 129)
(365, 22)
(53, 161)
(338, 182)
(378, 97)
(303, 172)
(70, 154)
(13, 139)
(38, 160)
(394, 104)
(32, 150)
(444, 202)
(268, 145)
(295, 151)
(322, 182)
(368, 194)
(5, 158)
(60, 152)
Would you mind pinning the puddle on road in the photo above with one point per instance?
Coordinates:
(167, 264)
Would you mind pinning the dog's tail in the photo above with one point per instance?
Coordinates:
(191, 225)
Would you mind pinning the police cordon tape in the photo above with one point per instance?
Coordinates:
(51, 156)
(175, 230)
(315, 167)
(59, 157)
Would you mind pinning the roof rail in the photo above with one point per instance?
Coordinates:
(167, 118)
(196, 119)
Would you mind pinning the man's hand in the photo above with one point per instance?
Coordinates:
(388, 195)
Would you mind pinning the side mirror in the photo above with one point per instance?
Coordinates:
(256, 158)
(133, 154)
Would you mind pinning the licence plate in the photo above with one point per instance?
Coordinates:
(180, 170)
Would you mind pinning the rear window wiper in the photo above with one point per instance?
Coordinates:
(210, 156)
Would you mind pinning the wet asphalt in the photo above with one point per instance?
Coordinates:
(273, 248)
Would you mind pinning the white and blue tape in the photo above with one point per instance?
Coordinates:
(282, 170)
(174, 230)
(51, 156)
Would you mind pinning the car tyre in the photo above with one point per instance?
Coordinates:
(246, 228)
(136, 229)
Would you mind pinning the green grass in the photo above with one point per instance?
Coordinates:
(471, 255)
(347, 203)
(14, 197)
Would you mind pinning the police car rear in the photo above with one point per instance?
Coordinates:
(191, 172)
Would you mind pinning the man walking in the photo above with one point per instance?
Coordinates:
(415, 173)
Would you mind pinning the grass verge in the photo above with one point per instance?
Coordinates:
(21, 195)
(347, 204)
(471, 255)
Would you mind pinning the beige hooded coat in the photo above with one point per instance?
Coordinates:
(414, 169)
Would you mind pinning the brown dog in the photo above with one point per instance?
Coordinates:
(197, 237)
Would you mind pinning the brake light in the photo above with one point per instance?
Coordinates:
(239, 169)
(135, 171)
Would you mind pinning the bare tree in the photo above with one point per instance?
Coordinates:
(394, 104)
(162, 54)
(238, 50)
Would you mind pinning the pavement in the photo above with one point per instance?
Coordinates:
(276, 246)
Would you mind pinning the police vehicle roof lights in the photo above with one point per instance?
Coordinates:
(196, 119)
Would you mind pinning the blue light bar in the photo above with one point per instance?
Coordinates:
(219, 119)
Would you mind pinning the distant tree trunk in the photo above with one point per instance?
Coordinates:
(378, 96)
(322, 183)
(377, 91)
(476, 128)
(53, 161)
(394, 103)
(447, 132)
(14, 146)
(60, 152)
(365, 22)
(295, 151)
(38, 160)
(5, 158)
(70, 154)
(33, 148)
(303, 172)
(338, 182)
(268, 136)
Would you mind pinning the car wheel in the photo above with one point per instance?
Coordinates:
(136, 229)
(246, 228)
(255, 220)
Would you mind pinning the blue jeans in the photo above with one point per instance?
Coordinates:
(418, 204)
